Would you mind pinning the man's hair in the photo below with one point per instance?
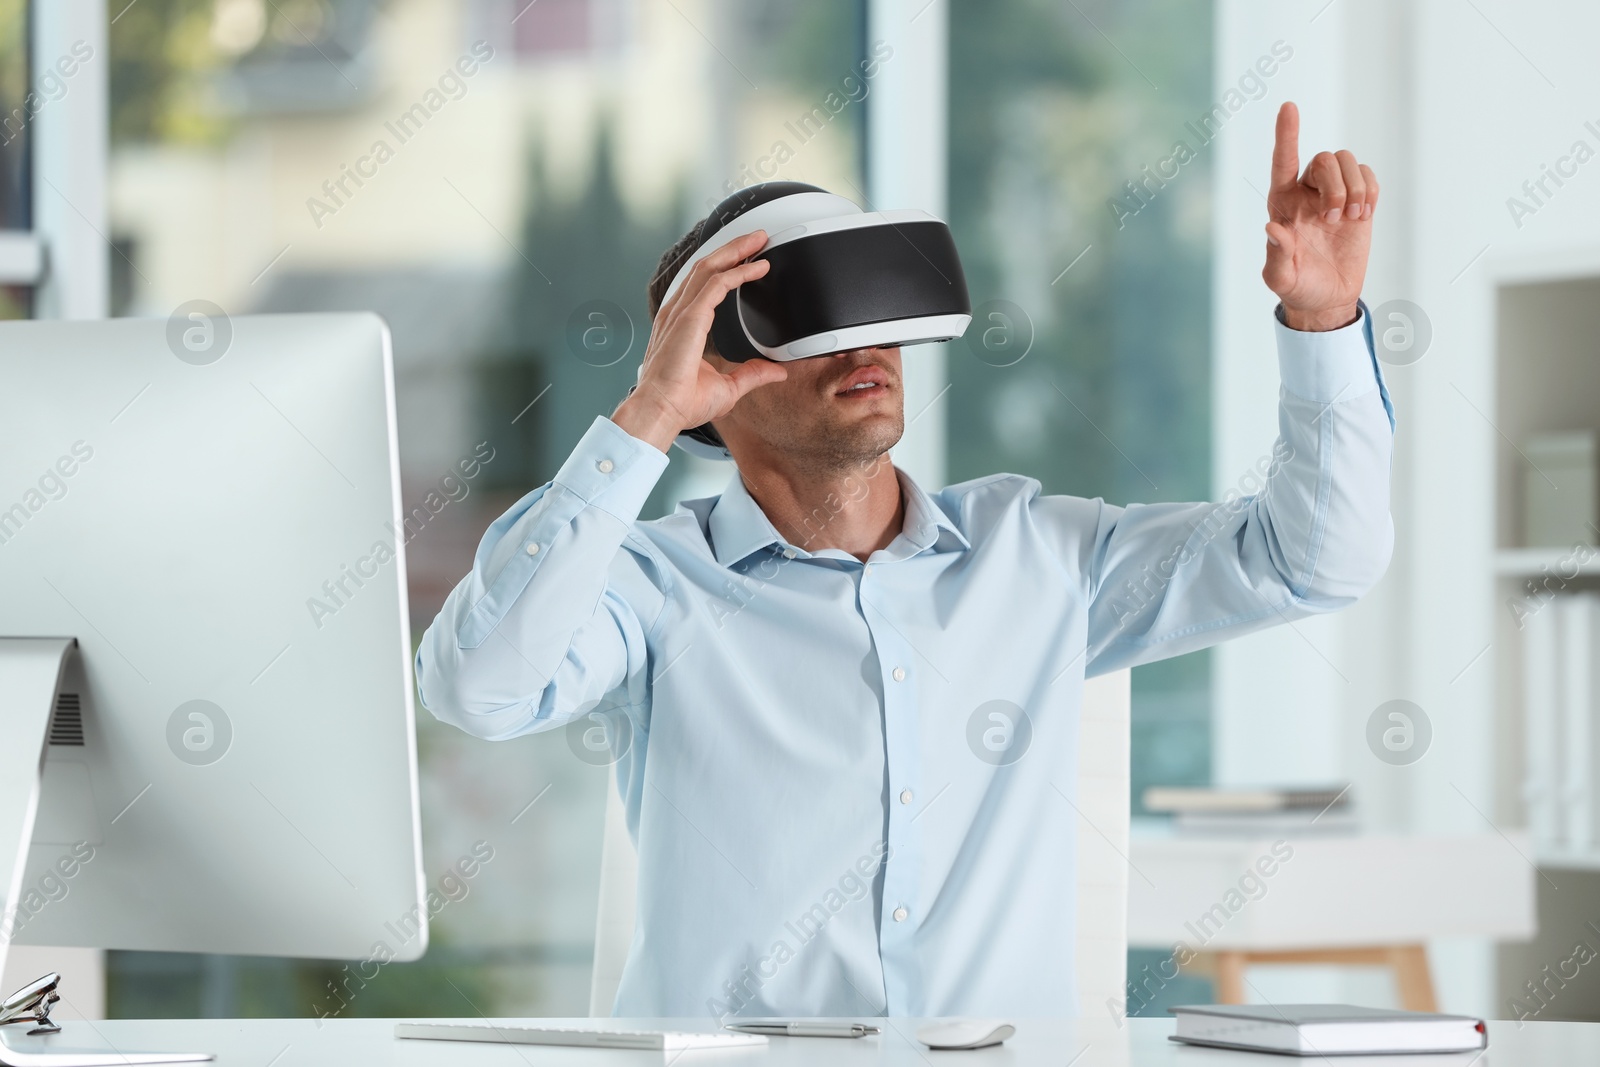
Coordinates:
(672, 260)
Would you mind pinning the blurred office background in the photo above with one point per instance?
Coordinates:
(305, 155)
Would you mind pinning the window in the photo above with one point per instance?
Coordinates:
(503, 207)
(499, 179)
(1091, 367)
(1088, 365)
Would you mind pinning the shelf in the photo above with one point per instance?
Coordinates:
(1568, 861)
(1531, 562)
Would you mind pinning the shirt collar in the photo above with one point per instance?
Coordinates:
(738, 526)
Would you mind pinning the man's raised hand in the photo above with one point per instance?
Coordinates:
(1319, 230)
(678, 388)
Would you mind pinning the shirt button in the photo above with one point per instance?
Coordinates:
(899, 674)
(867, 569)
(789, 553)
(905, 796)
(606, 466)
(900, 914)
(533, 548)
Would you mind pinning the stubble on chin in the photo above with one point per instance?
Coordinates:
(852, 447)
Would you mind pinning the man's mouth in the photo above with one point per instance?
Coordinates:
(864, 382)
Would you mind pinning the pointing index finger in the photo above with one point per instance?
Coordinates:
(1286, 147)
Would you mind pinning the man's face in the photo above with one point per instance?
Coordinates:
(831, 412)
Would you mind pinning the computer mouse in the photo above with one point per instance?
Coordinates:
(965, 1033)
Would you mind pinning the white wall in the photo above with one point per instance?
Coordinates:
(1454, 105)
(1277, 693)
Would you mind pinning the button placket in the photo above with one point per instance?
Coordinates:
(897, 934)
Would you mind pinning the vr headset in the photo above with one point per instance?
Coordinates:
(841, 278)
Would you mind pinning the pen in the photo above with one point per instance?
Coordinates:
(805, 1029)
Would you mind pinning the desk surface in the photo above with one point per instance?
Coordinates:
(1082, 1043)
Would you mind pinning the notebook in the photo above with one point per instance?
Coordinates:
(1326, 1029)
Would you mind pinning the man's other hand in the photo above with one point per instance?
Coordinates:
(1319, 230)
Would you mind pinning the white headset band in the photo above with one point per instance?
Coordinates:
(774, 216)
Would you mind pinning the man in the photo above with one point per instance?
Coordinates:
(851, 706)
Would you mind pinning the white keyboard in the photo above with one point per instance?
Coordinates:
(500, 1034)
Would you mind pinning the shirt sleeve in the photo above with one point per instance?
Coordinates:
(555, 612)
(1305, 530)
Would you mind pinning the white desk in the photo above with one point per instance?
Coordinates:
(1141, 1042)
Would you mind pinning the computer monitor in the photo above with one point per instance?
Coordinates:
(209, 507)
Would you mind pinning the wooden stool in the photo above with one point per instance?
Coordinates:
(1408, 962)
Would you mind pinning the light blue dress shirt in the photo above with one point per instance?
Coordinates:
(850, 785)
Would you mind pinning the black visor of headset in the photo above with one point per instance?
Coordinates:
(840, 279)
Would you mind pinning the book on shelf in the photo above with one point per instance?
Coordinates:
(1577, 712)
(1558, 494)
(1185, 799)
(1338, 820)
(1561, 742)
(1541, 657)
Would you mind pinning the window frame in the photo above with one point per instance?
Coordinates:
(65, 257)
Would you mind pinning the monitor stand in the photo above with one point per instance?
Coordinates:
(30, 675)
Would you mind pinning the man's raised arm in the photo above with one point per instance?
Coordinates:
(556, 612)
(1309, 530)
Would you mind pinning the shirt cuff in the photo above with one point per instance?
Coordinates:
(612, 470)
(1325, 366)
